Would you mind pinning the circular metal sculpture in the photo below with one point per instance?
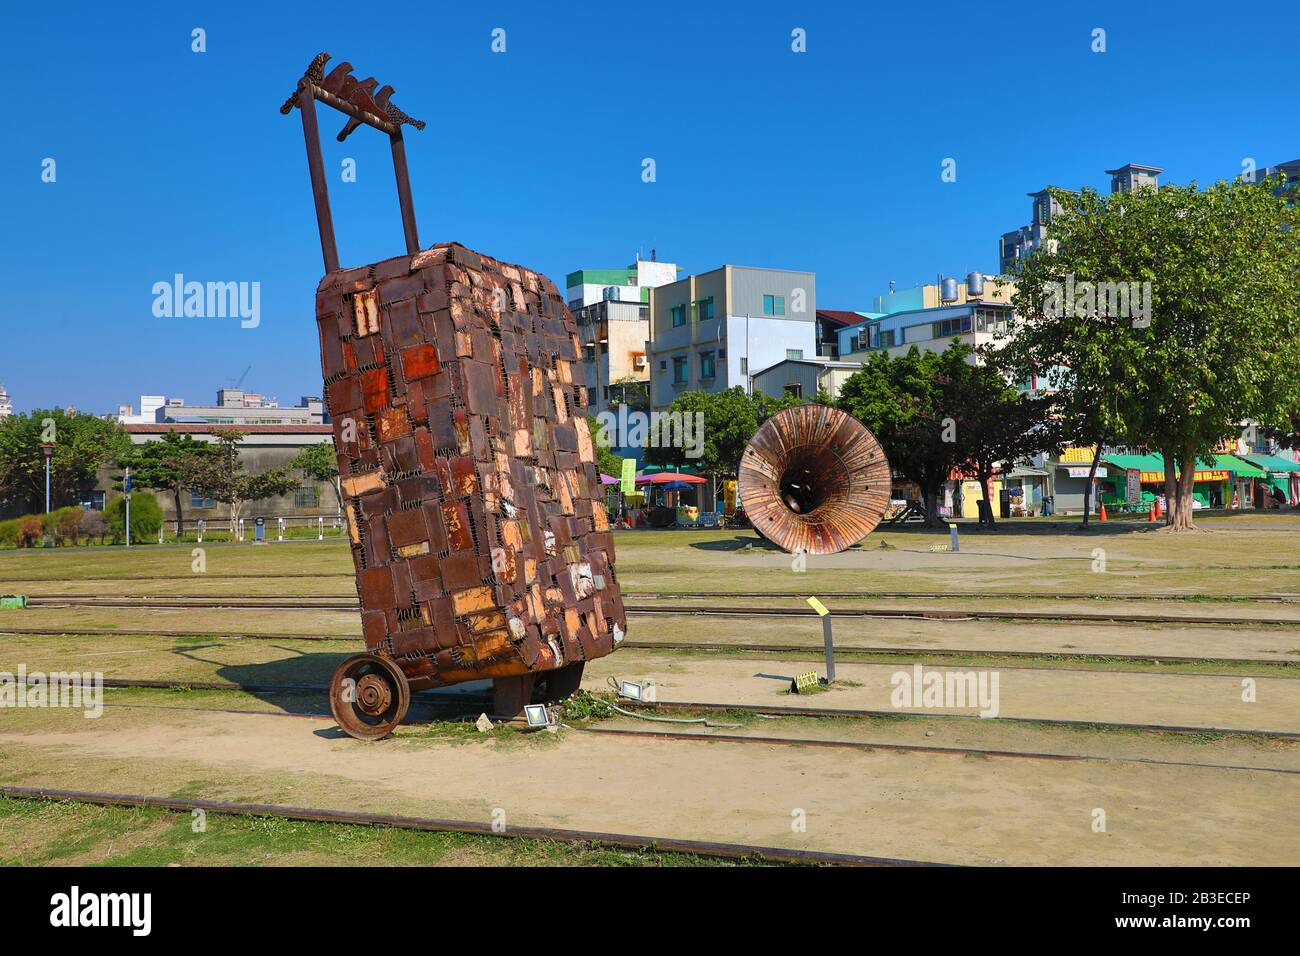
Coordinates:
(813, 479)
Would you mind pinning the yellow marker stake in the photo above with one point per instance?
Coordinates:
(825, 614)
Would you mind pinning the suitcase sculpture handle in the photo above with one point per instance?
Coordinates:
(359, 100)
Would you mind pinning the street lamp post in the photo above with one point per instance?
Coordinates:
(47, 450)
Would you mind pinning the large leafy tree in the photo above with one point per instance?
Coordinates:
(729, 418)
(910, 404)
(170, 464)
(320, 463)
(1220, 342)
(221, 476)
(995, 423)
(82, 443)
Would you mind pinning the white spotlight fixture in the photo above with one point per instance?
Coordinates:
(629, 689)
(537, 715)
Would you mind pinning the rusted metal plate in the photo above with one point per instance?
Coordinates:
(813, 479)
(481, 544)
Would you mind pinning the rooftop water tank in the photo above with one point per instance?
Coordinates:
(949, 290)
(974, 284)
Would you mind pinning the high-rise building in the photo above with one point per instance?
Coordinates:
(1021, 242)
(6, 404)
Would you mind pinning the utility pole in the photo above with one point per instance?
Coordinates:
(128, 507)
(47, 450)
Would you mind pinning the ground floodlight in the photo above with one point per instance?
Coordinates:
(802, 683)
(537, 715)
(629, 689)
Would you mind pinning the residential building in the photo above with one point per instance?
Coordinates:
(234, 406)
(804, 378)
(6, 404)
(632, 284)
(1021, 242)
(612, 310)
(829, 323)
(976, 323)
(712, 331)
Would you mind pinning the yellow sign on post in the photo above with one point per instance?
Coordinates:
(627, 483)
(818, 606)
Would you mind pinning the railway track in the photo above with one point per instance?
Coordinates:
(764, 649)
(923, 614)
(623, 841)
(435, 699)
(1148, 596)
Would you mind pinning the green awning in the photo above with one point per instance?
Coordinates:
(1151, 464)
(1270, 463)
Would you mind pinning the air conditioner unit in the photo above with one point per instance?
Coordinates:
(638, 361)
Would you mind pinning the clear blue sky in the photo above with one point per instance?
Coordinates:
(170, 161)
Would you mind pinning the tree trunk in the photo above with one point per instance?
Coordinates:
(984, 479)
(180, 518)
(1171, 487)
(1181, 515)
(930, 499)
(1092, 483)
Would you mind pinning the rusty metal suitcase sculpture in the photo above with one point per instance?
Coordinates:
(481, 546)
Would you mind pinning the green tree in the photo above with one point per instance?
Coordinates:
(320, 463)
(169, 465)
(82, 443)
(912, 407)
(1215, 339)
(146, 516)
(607, 462)
(221, 476)
(995, 423)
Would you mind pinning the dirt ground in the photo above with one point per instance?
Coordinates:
(985, 811)
(1166, 799)
(1177, 700)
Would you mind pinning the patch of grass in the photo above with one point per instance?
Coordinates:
(42, 833)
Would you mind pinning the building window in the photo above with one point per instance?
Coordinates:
(679, 369)
(703, 309)
(886, 338)
(198, 502)
(589, 353)
(744, 366)
(707, 369)
(947, 327)
(663, 365)
(93, 501)
(794, 353)
(722, 353)
(774, 305)
(794, 390)
(678, 313)
(307, 496)
(606, 392)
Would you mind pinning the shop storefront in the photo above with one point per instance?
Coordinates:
(1220, 481)
(1280, 484)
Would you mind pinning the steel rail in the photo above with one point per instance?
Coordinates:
(927, 614)
(625, 841)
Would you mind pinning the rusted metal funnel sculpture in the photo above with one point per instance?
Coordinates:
(812, 479)
(472, 499)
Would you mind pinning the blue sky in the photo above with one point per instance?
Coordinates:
(173, 161)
